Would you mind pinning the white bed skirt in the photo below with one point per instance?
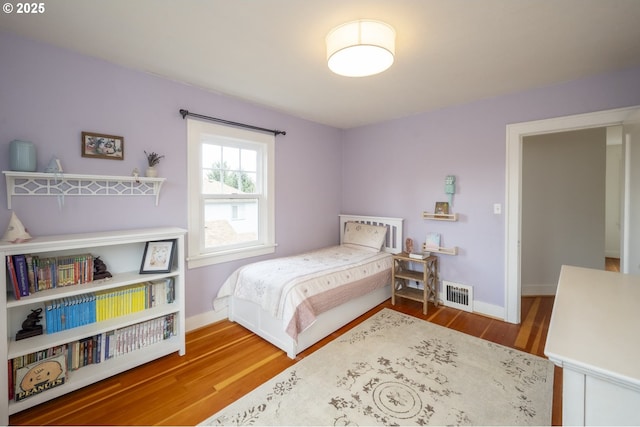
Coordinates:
(254, 318)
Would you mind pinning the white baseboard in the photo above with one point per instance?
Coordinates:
(537, 290)
(489, 310)
(486, 309)
(204, 319)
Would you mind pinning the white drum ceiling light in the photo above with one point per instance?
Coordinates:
(361, 48)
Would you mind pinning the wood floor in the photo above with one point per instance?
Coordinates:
(225, 361)
(612, 264)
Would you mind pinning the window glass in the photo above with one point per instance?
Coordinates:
(231, 195)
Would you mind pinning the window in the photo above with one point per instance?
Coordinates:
(231, 197)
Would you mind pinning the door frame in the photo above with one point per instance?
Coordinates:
(513, 188)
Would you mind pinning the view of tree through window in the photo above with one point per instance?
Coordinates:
(236, 179)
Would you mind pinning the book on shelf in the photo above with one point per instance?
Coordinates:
(40, 376)
(79, 310)
(20, 265)
(83, 352)
(421, 255)
(12, 277)
(31, 273)
(119, 342)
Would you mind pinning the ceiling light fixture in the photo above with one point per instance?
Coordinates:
(361, 48)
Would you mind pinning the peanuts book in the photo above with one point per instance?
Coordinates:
(40, 376)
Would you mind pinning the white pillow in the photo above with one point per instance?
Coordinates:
(365, 236)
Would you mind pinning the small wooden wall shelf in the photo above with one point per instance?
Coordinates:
(440, 217)
(65, 184)
(441, 250)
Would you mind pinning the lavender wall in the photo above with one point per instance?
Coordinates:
(406, 161)
(397, 168)
(49, 96)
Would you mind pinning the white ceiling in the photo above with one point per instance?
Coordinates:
(272, 52)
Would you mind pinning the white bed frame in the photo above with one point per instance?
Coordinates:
(259, 321)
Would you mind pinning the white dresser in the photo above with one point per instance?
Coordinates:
(594, 335)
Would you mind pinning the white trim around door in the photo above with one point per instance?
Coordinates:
(515, 133)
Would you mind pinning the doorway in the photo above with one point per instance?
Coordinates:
(563, 206)
(515, 135)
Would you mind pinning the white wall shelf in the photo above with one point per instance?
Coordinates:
(440, 217)
(122, 252)
(64, 184)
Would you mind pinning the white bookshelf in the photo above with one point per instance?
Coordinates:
(122, 252)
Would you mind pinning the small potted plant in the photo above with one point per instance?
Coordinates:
(153, 159)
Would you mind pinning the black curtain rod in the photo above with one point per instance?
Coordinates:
(275, 132)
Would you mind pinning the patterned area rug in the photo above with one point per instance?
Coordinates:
(395, 369)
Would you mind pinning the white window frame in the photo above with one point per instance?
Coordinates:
(197, 256)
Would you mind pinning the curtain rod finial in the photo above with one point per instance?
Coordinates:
(183, 113)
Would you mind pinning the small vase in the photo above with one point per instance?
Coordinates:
(151, 172)
(22, 156)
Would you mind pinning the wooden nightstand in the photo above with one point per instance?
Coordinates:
(402, 274)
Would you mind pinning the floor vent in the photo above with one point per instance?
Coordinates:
(458, 296)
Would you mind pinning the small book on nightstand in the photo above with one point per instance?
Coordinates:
(422, 255)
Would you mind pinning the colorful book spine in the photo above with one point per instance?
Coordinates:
(22, 273)
(135, 337)
(13, 278)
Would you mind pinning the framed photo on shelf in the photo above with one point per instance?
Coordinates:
(101, 146)
(433, 241)
(158, 256)
(442, 208)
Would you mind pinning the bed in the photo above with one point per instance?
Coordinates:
(315, 293)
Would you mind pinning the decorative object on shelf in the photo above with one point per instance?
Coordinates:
(153, 159)
(100, 269)
(442, 208)
(102, 146)
(54, 166)
(22, 156)
(433, 241)
(16, 232)
(408, 245)
(450, 187)
(136, 174)
(158, 257)
(30, 327)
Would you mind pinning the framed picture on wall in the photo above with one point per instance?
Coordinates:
(158, 257)
(101, 146)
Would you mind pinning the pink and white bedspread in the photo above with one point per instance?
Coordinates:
(298, 288)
